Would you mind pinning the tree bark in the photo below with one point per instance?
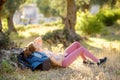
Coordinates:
(0, 26)
(11, 27)
(70, 21)
(1, 3)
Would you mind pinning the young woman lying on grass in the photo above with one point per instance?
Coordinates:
(71, 53)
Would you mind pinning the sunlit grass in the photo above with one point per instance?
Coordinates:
(29, 32)
(76, 71)
(104, 44)
(35, 30)
(96, 42)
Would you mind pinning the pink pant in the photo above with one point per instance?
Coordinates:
(75, 50)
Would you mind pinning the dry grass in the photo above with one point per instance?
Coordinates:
(77, 71)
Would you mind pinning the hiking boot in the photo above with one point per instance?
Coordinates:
(88, 62)
(102, 61)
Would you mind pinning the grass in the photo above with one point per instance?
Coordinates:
(100, 46)
(30, 32)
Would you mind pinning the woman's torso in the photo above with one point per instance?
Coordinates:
(55, 58)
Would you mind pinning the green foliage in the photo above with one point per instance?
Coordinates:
(55, 37)
(60, 6)
(109, 16)
(8, 11)
(89, 24)
(4, 77)
(110, 3)
(116, 13)
(81, 4)
(11, 6)
(45, 8)
(52, 7)
(52, 35)
(100, 2)
(117, 72)
(6, 67)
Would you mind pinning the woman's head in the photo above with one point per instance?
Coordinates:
(29, 49)
(38, 43)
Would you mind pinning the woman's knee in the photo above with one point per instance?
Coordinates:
(82, 49)
(76, 43)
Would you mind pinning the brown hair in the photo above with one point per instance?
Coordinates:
(29, 50)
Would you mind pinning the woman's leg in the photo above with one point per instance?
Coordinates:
(72, 47)
(83, 56)
(89, 55)
(74, 55)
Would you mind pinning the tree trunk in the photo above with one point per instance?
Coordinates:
(70, 21)
(0, 25)
(1, 3)
(11, 24)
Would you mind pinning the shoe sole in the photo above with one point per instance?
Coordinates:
(103, 63)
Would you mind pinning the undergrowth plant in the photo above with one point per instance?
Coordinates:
(6, 67)
(89, 24)
(109, 16)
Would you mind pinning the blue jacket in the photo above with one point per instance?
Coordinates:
(36, 59)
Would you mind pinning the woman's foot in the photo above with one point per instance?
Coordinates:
(102, 61)
(88, 62)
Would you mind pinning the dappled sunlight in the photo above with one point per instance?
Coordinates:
(58, 48)
(77, 70)
(78, 65)
(36, 30)
(40, 30)
(104, 44)
(97, 24)
(96, 42)
(24, 34)
(30, 32)
(118, 21)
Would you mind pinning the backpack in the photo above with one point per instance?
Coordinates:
(36, 61)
